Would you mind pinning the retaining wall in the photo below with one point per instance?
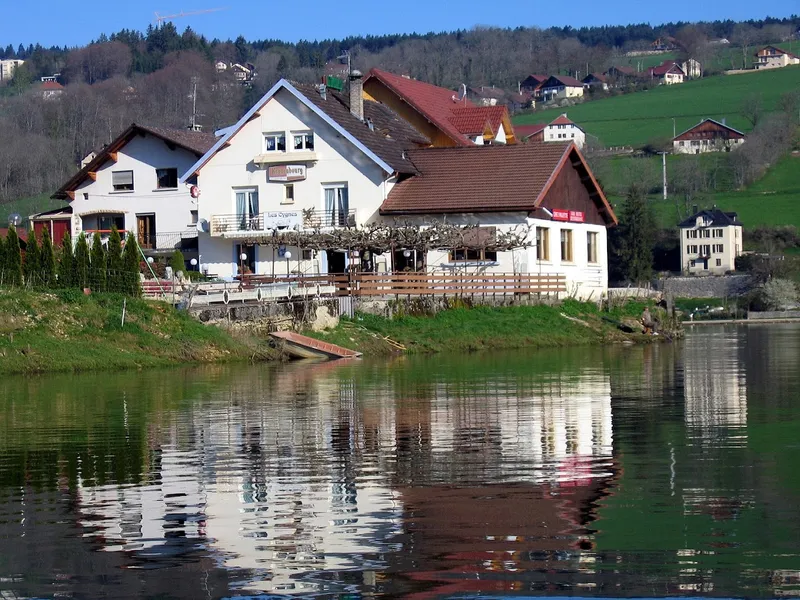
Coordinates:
(722, 286)
(773, 314)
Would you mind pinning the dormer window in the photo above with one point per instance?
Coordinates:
(274, 142)
(303, 140)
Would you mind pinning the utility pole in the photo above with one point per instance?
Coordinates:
(673, 128)
(194, 103)
(664, 173)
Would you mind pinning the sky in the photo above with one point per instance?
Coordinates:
(62, 22)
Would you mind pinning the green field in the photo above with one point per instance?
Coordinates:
(722, 59)
(772, 200)
(28, 206)
(636, 118)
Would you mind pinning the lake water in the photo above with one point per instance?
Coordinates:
(669, 469)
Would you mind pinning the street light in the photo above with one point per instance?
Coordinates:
(242, 257)
(193, 262)
(287, 255)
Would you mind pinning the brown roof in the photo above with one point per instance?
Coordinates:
(565, 80)
(484, 179)
(526, 131)
(194, 141)
(390, 135)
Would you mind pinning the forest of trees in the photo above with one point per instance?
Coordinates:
(148, 77)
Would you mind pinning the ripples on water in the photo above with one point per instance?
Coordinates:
(662, 470)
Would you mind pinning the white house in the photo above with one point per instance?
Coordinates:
(668, 73)
(133, 184)
(7, 68)
(771, 57)
(561, 86)
(710, 242)
(298, 159)
(544, 190)
(561, 129)
(708, 136)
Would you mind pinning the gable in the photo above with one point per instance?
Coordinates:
(569, 191)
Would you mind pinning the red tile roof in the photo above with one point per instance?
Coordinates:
(664, 68)
(433, 102)
(526, 131)
(473, 120)
(597, 76)
(51, 86)
(484, 179)
(562, 120)
(565, 80)
(630, 71)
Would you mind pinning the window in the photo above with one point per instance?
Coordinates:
(107, 222)
(468, 254)
(247, 216)
(692, 263)
(288, 194)
(706, 249)
(718, 233)
(591, 246)
(691, 249)
(337, 205)
(719, 262)
(166, 178)
(717, 249)
(303, 140)
(122, 181)
(706, 233)
(307, 254)
(542, 243)
(566, 245)
(274, 142)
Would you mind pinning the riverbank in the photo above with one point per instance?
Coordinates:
(571, 323)
(65, 331)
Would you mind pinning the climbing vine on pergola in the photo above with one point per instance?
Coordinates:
(382, 238)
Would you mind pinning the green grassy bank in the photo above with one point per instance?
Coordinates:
(67, 331)
(483, 328)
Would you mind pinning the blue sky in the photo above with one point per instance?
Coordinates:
(61, 22)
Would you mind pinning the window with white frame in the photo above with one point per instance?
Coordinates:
(122, 181)
(302, 140)
(591, 246)
(719, 262)
(718, 249)
(566, 245)
(542, 243)
(275, 142)
(247, 213)
(336, 204)
(288, 194)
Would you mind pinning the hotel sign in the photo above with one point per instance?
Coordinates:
(572, 216)
(286, 173)
(283, 219)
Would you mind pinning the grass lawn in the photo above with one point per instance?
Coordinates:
(634, 119)
(28, 206)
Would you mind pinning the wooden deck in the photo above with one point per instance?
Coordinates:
(302, 346)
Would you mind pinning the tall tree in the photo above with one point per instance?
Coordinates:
(131, 258)
(632, 240)
(3, 261)
(13, 258)
(81, 262)
(99, 265)
(33, 265)
(115, 266)
(47, 259)
(66, 263)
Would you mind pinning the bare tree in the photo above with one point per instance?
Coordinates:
(752, 108)
(689, 179)
(744, 36)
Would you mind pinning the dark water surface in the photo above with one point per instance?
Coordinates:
(629, 471)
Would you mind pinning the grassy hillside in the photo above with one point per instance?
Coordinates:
(67, 331)
(634, 119)
(28, 206)
(772, 200)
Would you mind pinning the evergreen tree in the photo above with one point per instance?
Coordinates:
(114, 281)
(81, 263)
(97, 270)
(3, 261)
(632, 241)
(33, 265)
(177, 261)
(130, 260)
(66, 263)
(47, 259)
(13, 257)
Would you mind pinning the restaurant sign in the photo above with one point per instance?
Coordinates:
(572, 216)
(287, 173)
(283, 219)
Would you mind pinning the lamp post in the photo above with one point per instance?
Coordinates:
(287, 255)
(242, 257)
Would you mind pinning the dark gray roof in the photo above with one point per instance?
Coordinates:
(717, 217)
(389, 137)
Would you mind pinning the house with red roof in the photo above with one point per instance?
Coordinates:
(708, 136)
(771, 57)
(667, 73)
(595, 81)
(50, 90)
(561, 129)
(437, 113)
(531, 84)
(622, 75)
(559, 87)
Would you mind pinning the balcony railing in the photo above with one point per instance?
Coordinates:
(285, 219)
(166, 240)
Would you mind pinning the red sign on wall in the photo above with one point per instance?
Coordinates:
(573, 216)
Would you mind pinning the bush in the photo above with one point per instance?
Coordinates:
(177, 261)
(778, 294)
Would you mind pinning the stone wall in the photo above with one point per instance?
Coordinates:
(264, 317)
(723, 286)
(773, 314)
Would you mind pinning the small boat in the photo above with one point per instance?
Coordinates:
(302, 346)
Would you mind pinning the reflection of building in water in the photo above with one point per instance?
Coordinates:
(714, 388)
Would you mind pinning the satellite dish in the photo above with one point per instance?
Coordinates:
(202, 226)
(194, 191)
(462, 92)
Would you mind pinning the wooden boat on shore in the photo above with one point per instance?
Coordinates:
(302, 346)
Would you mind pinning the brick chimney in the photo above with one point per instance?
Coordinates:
(357, 95)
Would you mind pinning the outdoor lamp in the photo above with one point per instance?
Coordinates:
(193, 262)
(150, 260)
(287, 255)
(243, 256)
(406, 253)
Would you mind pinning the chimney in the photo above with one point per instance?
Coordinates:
(357, 95)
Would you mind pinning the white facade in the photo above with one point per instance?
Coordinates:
(7, 68)
(127, 193)
(565, 132)
(701, 146)
(773, 58)
(707, 248)
(335, 167)
(561, 91)
(692, 68)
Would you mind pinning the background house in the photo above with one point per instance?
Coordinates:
(707, 136)
(561, 129)
(710, 242)
(486, 96)
(7, 68)
(560, 86)
(621, 75)
(771, 57)
(532, 83)
(668, 73)
(595, 81)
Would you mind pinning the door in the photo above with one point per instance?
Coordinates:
(245, 259)
(337, 261)
(247, 216)
(146, 231)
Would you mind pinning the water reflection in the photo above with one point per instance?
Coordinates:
(666, 469)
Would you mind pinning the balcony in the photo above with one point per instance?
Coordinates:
(168, 240)
(241, 226)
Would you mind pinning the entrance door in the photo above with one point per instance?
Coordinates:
(337, 261)
(146, 231)
(247, 265)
